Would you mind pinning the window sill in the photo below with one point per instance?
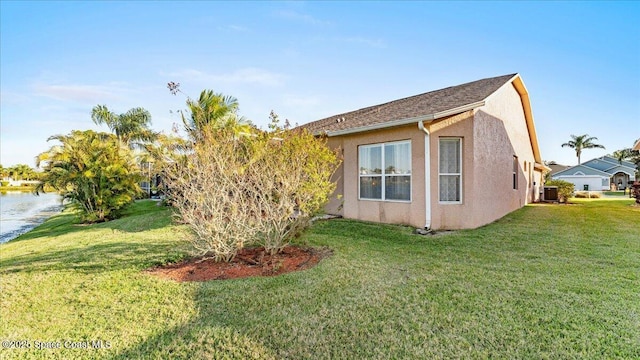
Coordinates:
(386, 201)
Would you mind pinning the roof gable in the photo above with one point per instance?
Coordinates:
(441, 101)
(607, 162)
(615, 161)
(599, 164)
(580, 170)
(621, 168)
(555, 168)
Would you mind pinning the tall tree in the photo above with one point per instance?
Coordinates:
(90, 170)
(579, 143)
(21, 172)
(627, 154)
(630, 155)
(211, 110)
(129, 127)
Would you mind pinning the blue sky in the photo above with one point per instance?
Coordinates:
(580, 62)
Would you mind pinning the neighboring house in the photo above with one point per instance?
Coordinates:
(454, 158)
(636, 146)
(603, 173)
(555, 167)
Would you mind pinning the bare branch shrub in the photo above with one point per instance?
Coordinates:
(258, 188)
(292, 176)
(207, 191)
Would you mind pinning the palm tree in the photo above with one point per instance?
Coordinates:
(20, 172)
(129, 127)
(91, 171)
(23, 171)
(582, 142)
(622, 155)
(216, 111)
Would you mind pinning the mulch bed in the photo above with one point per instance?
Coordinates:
(249, 262)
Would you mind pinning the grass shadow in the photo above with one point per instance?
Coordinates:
(137, 217)
(93, 258)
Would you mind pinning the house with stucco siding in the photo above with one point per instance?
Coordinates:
(453, 158)
(603, 173)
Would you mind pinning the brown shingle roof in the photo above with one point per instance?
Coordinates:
(418, 105)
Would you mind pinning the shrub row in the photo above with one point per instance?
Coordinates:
(587, 195)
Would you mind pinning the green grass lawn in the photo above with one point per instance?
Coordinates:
(547, 281)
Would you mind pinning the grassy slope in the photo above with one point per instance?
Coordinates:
(548, 281)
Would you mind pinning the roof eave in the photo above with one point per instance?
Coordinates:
(400, 122)
(542, 167)
(528, 114)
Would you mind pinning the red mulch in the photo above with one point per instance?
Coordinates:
(248, 263)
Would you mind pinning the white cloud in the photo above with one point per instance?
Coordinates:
(300, 17)
(241, 76)
(234, 28)
(13, 98)
(76, 92)
(376, 43)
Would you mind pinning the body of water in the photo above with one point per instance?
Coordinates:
(22, 211)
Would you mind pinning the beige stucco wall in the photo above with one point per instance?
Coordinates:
(491, 136)
(395, 212)
(452, 216)
(500, 132)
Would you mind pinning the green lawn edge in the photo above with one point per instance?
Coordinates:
(546, 281)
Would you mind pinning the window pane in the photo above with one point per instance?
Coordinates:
(370, 160)
(449, 187)
(371, 187)
(450, 156)
(397, 187)
(397, 158)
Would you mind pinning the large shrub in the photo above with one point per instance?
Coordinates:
(565, 189)
(236, 189)
(292, 173)
(92, 172)
(206, 188)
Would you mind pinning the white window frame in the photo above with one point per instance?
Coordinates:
(383, 175)
(452, 202)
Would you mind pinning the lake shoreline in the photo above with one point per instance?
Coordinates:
(17, 189)
(22, 212)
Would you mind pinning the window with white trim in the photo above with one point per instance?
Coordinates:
(385, 171)
(450, 170)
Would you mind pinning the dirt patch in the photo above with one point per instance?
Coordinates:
(248, 263)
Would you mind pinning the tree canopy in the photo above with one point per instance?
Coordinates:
(211, 110)
(129, 127)
(581, 142)
(92, 172)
